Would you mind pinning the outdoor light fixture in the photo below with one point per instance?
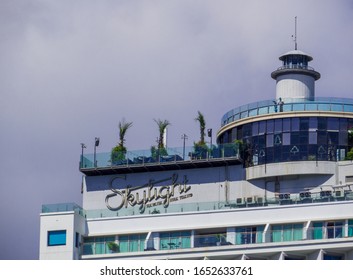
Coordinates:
(96, 144)
(184, 137)
(83, 146)
(209, 133)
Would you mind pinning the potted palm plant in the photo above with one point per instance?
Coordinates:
(119, 151)
(113, 247)
(160, 150)
(200, 148)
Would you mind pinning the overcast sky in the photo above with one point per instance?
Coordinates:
(71, 70)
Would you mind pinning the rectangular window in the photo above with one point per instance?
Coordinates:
(313, 124)
(249, 235)
(286, 138)
(262, 127)
(77, 240)
(333, 124)
(56, 237)
(270, 126)
(334, 229)
(304, 124)
(350, 228)
(132, 243)
(255, 128)
(295, 124)
(286, 125)
(175, 240)
(287, 232)
(278, 125)
(269, 140)
(312, 138)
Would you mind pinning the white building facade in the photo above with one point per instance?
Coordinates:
(278, 185)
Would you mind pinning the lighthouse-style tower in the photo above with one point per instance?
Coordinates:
(295, 79)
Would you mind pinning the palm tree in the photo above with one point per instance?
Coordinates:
(123, 127)
(200, 118)
(162, 125)
(119, 151)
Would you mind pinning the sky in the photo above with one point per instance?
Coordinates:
(71, 70)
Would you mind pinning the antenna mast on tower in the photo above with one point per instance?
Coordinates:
(295, 35)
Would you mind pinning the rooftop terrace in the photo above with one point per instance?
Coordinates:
(168, 159)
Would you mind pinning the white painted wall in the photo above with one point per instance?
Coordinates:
(295, 86)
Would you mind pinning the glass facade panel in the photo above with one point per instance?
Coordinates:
(269, 140)
(333, 124)
(313, 124)
(270, 126)
(295, 124)
(299, 138)
(175, 240)
(56, 237)
(298, 107)
(311, 107)
(313, 137)
(286, 124)
(348, 108)
(262, 127)
(336, 107)
(286, 138)
(324, 107)
(249, 235)
(287, 232)
(278, 125)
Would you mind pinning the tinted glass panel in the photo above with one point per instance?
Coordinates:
(278, 125)
(332, 124)
(270, 126)
(286, 124)
(57, 237)
(262, 127)
(295, 124)
(313, 124)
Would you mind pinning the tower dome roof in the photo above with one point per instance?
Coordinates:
(295, 52)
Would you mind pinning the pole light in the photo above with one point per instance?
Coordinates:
(96, 144)
(184, 137)
(83, 146)
(209, 133)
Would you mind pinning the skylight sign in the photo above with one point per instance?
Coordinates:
(155, 192)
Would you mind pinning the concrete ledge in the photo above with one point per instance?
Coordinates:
(290, 168)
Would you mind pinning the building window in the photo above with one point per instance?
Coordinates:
(249, 235)
(334, 229)
(350, 228)
(132, 243)
(57, 238)
(97, 245)
(175, 240)
(288, 232)
(77, 240)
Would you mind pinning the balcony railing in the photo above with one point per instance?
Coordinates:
(290, 105)
(287, 234)
(162, 156)
(256, 201)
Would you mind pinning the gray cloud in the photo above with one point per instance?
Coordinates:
(71, 70)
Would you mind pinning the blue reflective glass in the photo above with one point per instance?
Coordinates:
(263, 111)
(348, 108)
(323, 107)
(287, 107)
(337, 107)
(311, 107)
(57, 237)
(298, 107)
